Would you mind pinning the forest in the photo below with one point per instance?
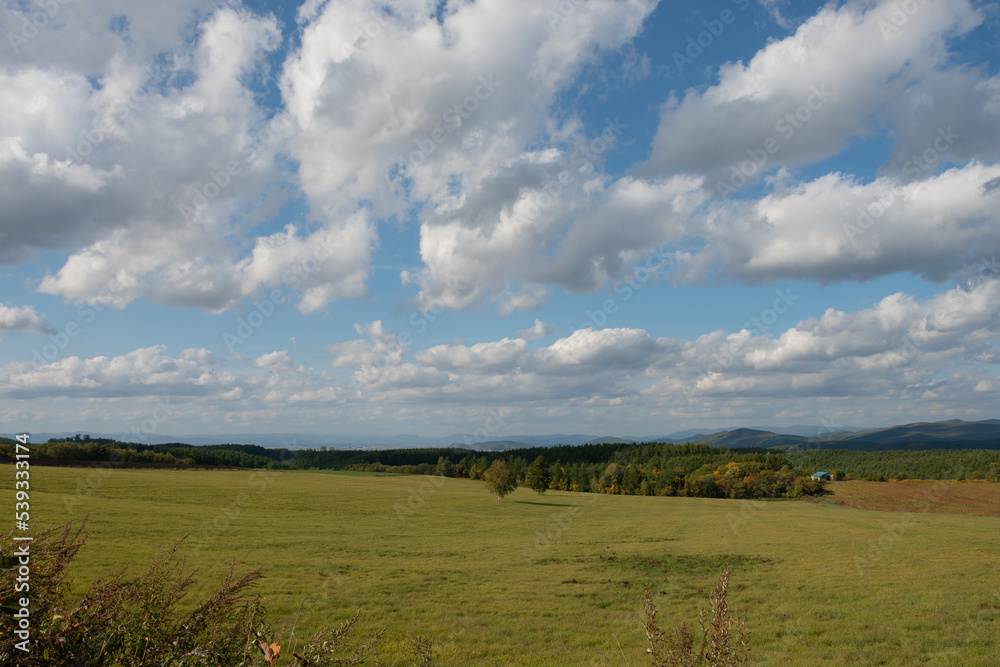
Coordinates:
(615, 468)
(83, 448)
(648, 469)
(957, 464)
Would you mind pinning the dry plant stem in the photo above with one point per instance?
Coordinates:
(725, 641)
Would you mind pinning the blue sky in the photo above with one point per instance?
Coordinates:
(622, 218)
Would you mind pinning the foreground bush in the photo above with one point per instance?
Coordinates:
(124, 621)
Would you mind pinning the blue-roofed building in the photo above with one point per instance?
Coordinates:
(824, 476)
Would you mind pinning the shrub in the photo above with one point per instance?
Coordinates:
(724, 637)
(124, 621)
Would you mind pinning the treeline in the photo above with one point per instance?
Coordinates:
(343, 459)
(960, 464)
(648, 469)
(625, 468)
(103, 449)
(915, 445)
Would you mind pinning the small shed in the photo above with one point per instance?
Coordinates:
(824, 476)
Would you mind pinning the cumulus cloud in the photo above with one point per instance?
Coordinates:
(156, 167)
(85, 40)
(410, 107)
(901, 350)
(586, 350)
(895, 350)
(137, 149)
(142, 372)
(22, 318)
(380, 346)
(835, 228)
(491, 357)
(141, 173)
(517, 230)
(156, 173)
(538, 330)
(800, 99)
(278, 362)
(199, 355)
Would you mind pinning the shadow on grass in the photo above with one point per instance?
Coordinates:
(531, 502)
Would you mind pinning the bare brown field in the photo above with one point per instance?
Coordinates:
(912, 496)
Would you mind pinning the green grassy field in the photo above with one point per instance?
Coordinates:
(554, 579)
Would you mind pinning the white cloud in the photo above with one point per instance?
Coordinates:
(531, 246)
(491, 357)
(382, 347)
(84, 38)
(900, 352)
(962, 101)
(834, 228)
(142, 372)
(145, 176)
(399, 109)
(586, 350)
(329, 264)
(507, 239)
(807, 94)
(165, 182)
(22, 318)
(892, 351)
(145, 171)
(454, 116)
(538, 330)
(278, 362)
(199, 355)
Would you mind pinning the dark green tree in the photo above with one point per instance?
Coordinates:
(445, 467)
(611, 479)
(500, 479)
(538, 476)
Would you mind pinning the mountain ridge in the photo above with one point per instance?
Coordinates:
(947, 431)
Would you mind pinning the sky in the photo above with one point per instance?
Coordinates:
(619, 217)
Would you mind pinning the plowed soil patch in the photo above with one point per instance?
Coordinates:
(941, 497)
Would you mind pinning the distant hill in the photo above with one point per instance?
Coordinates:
(683, 436)
(924, 435)
(951, 430)
(493, 445)
(609, 440)
(748, 437)
(811, 431)
(911, 446)
(949, 434)
(700, 434)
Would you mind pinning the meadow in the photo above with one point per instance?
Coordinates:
(548, 580)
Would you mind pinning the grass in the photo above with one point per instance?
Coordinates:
(549, 580)
(347, 473)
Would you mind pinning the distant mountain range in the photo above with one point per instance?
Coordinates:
(952, 433)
